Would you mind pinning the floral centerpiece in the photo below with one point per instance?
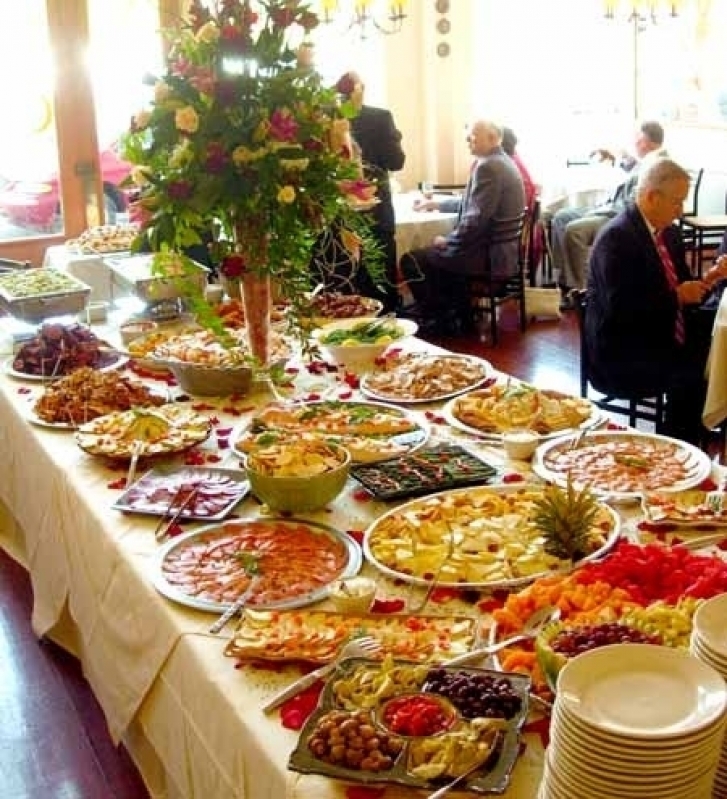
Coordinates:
(244, 149)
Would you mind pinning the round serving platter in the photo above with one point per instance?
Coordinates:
(118, 361)
(484, 523)
(107, 435)
(621, 465)
(514, 414)
(407, 388)
(293, 553)
(367, 429)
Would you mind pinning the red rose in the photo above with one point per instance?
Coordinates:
(345, 85)
(232, 266)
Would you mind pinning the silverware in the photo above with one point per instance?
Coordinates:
(357, 647)
(419, 607)
(533, 625)
(445, 789)
(163, 529)
(236, 606)
(135, 455)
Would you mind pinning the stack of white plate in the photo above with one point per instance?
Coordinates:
(709, 644)
(635, 720)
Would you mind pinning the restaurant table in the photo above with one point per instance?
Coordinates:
(415, 229)
(191, 720)
(715, 405)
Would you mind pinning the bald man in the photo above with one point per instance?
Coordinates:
(437, 275)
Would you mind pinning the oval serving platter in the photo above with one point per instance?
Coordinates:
(622, 465)
(490, 411)
(307, 556)
(119, 361)
(411, 542)
(371, 431)
(420, 377)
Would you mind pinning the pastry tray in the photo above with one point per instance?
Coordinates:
(138, 498)
(434, 468)
(685, 509)
(492, 777)
(315, 636)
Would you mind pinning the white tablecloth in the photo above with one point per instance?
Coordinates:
(715, 406)
(415, 229)
(191, 720)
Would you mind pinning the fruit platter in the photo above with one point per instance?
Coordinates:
(57, 350)
(490, 536)
(143, 432)
(205, 494)
(293, 563)
(316, 636)
(641, 594)
(509, 405)
(693, 508)
(424, 377)
(621, 464)
(426, 725)
(429, 469)
(370, 431)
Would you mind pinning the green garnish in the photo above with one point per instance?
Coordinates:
(632, 461)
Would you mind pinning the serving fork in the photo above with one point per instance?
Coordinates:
(366, 646)
(432, 584)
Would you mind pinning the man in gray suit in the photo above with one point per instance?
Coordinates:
(437, 275)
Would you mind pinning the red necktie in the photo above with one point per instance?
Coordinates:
(673, 280)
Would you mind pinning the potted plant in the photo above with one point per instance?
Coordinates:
(245, 146)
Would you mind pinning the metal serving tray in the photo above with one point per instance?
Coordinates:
(134, 272)
(67, 295)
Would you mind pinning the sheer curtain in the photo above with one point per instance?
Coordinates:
(568, 80)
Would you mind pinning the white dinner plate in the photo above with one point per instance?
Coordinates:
(117, 363)
(710, 626)
(649, 447)
(622, 688)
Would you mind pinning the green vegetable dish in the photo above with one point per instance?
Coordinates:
(363, 333)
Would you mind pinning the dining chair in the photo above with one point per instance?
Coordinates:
(701, 233)
(487, 295)
(635, 408)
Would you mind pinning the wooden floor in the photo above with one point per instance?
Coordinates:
(53, 739)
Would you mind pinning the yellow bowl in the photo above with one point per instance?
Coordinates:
(299, 494)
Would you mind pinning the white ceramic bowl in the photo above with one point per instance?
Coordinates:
(356, 356)
(353, 595)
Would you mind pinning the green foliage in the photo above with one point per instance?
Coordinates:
(242, 144)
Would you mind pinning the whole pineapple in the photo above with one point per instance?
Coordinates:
(566, 518)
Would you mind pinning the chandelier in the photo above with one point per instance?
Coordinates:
(641, 10)
(362, 15)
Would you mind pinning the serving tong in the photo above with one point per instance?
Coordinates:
(161, 531)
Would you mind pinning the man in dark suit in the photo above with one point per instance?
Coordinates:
(437, 274)
(375, 132)
(644, 331)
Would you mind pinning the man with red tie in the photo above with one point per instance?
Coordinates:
(645, 332)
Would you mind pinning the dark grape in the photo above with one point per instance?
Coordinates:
(475, 695)
(574, 641)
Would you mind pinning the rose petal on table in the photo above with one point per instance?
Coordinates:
(117, 484)
(357, 535)
(361, 495)
(443, 594)
(540, 727)
(707, 485)
(295, 712)
(512, 477)
(391, 605)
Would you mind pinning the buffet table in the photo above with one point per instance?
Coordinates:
(191, 720)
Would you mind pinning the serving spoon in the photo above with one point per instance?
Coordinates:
(533, 625)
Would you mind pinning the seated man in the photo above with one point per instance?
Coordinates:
(644, 331)
(574, 230)
(437, 274)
